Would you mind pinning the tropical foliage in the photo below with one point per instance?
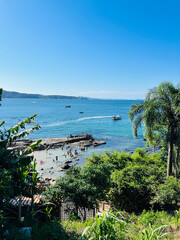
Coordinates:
(72, 187)
(160, 113)
(150, 225)
(130, 182)
(18, 175)
(107, 227)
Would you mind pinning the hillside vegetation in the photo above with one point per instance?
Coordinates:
(9, 94)
(142, 188)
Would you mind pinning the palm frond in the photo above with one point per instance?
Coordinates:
(136, 109)
(137, 123)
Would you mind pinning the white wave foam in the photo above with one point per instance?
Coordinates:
(86, 118)
(56, 124)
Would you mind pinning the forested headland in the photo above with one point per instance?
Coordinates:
(12, 94)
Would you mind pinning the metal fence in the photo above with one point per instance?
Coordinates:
(68, 207)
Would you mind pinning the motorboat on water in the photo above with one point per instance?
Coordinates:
(118, 117)
(67, 106)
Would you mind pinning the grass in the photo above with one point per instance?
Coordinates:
(149, 225)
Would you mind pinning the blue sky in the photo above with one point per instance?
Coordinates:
(95, 48)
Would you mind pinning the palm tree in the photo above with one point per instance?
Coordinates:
(160, 113)
(177, 152)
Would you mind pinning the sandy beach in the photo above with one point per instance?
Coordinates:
(55, 155)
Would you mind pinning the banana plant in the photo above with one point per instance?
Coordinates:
(28, 176)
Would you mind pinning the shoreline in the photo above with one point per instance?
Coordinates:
(56, 155)
(83, 141)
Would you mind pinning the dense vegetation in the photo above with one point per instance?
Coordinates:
(130, 182)
(143, 188)
(18, 178)
(121, 225)
(160, 113)
(8, 94)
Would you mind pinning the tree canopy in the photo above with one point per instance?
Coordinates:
(160, 113)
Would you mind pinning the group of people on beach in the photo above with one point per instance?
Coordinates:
(69, 151)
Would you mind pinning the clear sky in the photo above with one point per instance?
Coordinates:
(95, 48)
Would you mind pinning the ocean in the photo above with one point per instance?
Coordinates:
(57, 121)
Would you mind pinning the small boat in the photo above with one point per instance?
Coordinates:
(81, 112)
(118, 117)
(67, 106)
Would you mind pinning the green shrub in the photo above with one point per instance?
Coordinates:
(51, 230)
(150, 233)
(107, 227)
(154, 218)
(167, 194)
(74, 228)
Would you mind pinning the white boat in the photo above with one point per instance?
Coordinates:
(118, 117)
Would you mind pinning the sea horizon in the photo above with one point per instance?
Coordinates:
(63, 95)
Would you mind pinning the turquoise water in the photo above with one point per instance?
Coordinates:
(57, 121)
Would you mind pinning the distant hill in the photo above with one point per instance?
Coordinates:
(8, 94)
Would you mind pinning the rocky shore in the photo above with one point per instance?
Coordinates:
(83, 141)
